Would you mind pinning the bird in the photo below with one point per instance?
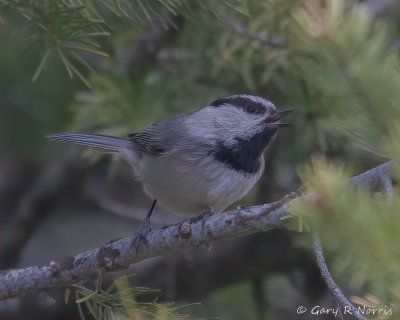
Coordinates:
(197, 162)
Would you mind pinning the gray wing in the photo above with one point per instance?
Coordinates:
(160, 137)
(147, 143)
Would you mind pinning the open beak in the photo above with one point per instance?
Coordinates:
(274, 118)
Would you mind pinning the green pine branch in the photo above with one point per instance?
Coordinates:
(70, 28)
(121, 301)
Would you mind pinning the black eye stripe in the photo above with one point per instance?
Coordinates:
(254, 109)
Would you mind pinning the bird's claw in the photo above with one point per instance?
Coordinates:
(203, 217)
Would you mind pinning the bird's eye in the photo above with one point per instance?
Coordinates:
(251, 109)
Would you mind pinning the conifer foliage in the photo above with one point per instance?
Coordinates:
(335, 62)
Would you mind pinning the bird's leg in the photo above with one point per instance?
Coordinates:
(143, 230)
(203, 217)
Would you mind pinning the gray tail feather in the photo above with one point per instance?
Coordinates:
(102, 142)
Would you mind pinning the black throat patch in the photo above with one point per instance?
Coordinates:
(245, 155)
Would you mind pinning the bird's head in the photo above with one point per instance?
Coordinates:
(242, 127)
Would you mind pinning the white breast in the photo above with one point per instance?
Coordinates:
(188, 188)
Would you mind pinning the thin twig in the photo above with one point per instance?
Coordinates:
(387, 185)
(340, 313)
(386, 182)
(333, 287)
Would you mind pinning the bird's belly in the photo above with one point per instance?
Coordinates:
(189, 192)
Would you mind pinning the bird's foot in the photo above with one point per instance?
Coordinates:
(203, 217)
(145, 227)
(206, 214)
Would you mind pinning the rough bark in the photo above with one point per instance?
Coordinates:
(118, 254)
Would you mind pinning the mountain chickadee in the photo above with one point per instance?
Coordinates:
(195, 162)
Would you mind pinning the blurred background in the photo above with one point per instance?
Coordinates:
(112, 67)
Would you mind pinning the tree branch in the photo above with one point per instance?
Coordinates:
(379, 178)
(333, 287)
(387, 185)
(118, 254)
